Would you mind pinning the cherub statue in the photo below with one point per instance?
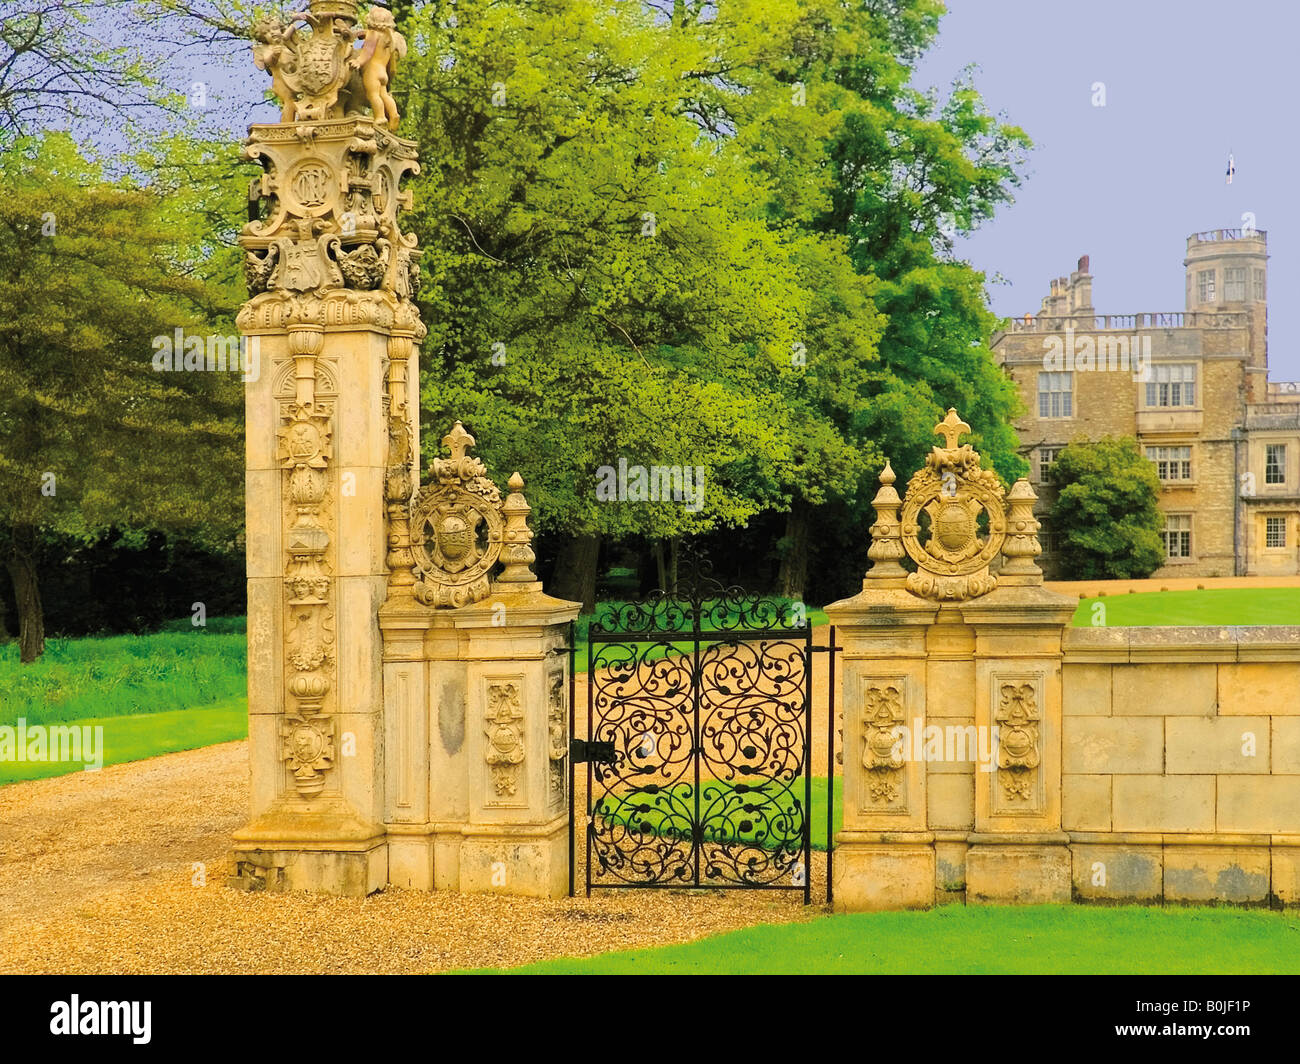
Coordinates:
(273, 52)
(377, 61)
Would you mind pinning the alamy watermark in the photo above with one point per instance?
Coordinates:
(214, 353)
(950, 743)
(60, 743)
(656, 483)
(1088, 354)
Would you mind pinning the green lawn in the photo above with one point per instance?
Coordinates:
(135, 737)
(1228, 606)
(1045, 939)
(177, 689)
(181, 667)
(655, 807)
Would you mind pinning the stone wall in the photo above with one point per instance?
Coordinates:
(1181, 763)
(994, 753)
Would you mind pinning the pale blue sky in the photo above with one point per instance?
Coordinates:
(1187, 82)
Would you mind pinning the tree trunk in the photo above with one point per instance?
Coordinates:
(793, 575)
(27, 594)
(575, 570)
(661, 567)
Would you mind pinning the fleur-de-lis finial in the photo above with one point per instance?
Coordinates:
(951, 428)
(458, 441)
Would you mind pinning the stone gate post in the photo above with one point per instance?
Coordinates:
(331, 278)
(951, 698)
(424, 744)
(476, 681)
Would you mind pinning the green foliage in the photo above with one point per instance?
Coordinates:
(126, 675)
(703, 235)
(94, 271)
(1105, 513)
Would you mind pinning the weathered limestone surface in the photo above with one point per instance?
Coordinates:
(408, 691)
(935, 663)
(1130, 764)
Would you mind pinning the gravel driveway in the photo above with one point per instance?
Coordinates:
(123, 871)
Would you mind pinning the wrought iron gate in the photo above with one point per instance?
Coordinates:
(699, 725)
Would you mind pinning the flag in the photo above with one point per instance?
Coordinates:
(1232, 168)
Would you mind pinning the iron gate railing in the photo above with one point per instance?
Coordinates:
(699, 726)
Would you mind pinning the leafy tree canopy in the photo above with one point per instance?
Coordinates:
(1105, 514)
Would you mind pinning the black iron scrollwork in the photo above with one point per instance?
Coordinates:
(704, 696)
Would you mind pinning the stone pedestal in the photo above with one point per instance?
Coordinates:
(1018, 852)
(884, 856)
(477, 715)
(951, 699)
(432, 753)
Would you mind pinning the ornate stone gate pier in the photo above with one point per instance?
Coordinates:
(408, 714)
(952, 698)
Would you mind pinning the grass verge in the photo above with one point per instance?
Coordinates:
(1226, 606)
(1030, 940)
(135, 737)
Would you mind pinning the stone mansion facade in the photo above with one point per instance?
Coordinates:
(1192, 386)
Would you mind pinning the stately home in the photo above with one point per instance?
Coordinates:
(1192, 386)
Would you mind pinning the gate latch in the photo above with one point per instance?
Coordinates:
(581, 750)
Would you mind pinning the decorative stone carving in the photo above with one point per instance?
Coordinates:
(557, 728)
(305, 435)
(505, 735)
(1017, 716)
(1022, 546)
(882, 755)
(516, 549)
(456, 527)
(886, 549)
(951, 490)
(460, 529)
(325, 224)
(377, 62)
(319, 75)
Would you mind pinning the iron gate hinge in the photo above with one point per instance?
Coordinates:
(581, 750)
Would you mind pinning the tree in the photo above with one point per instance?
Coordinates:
(605, 280)
(686, 233)
(57, 66)
(913, 170)
(1105, 514)
(92, 435)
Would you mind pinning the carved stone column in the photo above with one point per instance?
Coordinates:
(331, 277)
(951, 698)
(477, 695)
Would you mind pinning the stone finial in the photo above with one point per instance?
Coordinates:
(319, 76)
(951, 428)
(1021, 546)
(517, 551)
(458, 441)
(886, 536)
